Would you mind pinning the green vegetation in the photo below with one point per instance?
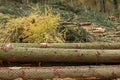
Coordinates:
(69, 11)
(33, 28)
(42, 22)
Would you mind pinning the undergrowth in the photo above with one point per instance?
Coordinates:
(34, 28)
(39, 23)
(76, 34)
(66, 9)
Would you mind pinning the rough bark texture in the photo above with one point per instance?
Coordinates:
(66, 45)
(116, 6)
(102, 6)
(59, 55)
(103, 72)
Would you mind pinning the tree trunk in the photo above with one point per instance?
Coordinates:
(102, 6)
(116, 8)
(0, 2)
(59, 55)
(86, 72)
(66, 45)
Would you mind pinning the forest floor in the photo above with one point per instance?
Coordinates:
(102, 28)
(98, 27)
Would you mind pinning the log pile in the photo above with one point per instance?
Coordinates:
(97, 56)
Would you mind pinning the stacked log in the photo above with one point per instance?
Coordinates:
(67, 45)
(89, 53)
(59, 55)
(37, 73)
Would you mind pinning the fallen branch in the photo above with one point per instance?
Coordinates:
(74, 23)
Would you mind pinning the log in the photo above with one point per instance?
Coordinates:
(59, 55)
(66, 45)
(87, 72)
(74, 23)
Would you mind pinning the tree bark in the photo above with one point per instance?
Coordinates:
(86, 72)
(65, 45)
(0, 2)
(59, 55)
(102, 6)
(116, 8)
